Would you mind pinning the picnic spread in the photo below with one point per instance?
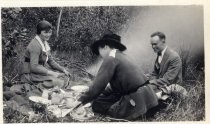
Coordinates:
(60, 103)
(56, 101)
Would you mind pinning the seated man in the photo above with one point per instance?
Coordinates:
(127, 96)
(167, 73)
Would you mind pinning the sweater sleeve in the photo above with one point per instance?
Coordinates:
(103, 77)
(35, 67)
(54, 64)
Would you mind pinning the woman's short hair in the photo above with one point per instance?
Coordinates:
(43, 25)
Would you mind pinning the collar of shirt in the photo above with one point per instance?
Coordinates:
(45, 45)
(113, 52)
(162, 54)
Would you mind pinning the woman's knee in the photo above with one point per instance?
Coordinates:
(98, 107)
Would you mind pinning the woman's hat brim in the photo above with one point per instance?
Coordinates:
(117, 45)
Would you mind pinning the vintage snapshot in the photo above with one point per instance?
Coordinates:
(103, 64)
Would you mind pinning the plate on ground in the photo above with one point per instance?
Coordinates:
(82, 114)
(39, 99)
(79, 88)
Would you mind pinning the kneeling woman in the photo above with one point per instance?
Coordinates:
(36, 58)
(127, 96)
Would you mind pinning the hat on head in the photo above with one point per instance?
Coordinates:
(112, 40)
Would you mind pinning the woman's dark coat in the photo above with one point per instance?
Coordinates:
(127, 97)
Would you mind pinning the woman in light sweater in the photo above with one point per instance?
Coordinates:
(38, 56)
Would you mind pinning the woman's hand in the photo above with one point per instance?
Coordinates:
(55, 74)
(66, 72)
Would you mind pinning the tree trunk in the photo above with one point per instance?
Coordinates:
(59, 20)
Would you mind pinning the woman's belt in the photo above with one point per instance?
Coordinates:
(28, 60)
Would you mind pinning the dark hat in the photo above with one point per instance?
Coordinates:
(112, 40)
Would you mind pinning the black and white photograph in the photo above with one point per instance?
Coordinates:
(103, 63)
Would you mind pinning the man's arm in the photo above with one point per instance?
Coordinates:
(171, 74)
(153, 75)
(103, 77)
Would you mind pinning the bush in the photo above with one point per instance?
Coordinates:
(78, 28)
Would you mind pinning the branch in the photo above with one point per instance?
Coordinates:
(5, 78)
(59, 20)
(14, 77)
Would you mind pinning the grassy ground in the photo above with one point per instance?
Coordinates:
(188, 109)
(191, 108)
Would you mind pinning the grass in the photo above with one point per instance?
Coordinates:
(191, 108)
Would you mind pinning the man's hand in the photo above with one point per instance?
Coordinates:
(147, 76)
(153, 82)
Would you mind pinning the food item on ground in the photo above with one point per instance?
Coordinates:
(79, 88)
(56, 98)
(69, 102)
(82, 113)
(45, 94)
(39, 99)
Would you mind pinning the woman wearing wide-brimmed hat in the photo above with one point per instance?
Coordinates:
(38, 56)
(127, 96)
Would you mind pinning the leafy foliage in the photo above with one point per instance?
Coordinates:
(84, 25)
(79, 27)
